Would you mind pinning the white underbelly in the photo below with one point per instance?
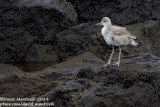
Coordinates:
(107, 36)
(108, 40)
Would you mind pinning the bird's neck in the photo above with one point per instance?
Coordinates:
(107, 25)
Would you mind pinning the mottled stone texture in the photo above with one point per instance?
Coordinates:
(23, 24)
(120, 11)
(81, 81)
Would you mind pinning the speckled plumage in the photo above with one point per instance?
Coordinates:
(116, 36)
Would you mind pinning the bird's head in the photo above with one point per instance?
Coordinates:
(105, 21)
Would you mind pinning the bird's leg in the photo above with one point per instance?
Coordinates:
(119, 57)
(109, 61)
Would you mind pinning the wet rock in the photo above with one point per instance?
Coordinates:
(25, 22)
(72, 66)
(41, 53)
(9, 70)
(86, 73)
(120, 12)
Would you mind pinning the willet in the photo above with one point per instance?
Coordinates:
(116, 36)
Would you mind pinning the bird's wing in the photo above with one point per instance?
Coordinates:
(119, 31)
(121, 40)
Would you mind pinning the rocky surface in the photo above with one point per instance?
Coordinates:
(79, 39)
(145, 43)
(23, 24)
(27, 25)
(87, 37)
(120, 11)
(153, 33)
(41, 53)
(82, 81)
(63, 33)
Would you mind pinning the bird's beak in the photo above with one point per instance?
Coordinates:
(98, 24)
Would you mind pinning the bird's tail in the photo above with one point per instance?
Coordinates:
(135, 44)
(133, 37)
(132, 40)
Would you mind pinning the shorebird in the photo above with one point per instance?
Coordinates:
(116, 36)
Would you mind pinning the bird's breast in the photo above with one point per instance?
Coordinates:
(107, 35)
(104, 31)
(108, 40)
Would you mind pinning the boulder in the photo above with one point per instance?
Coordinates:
(25, 22)
(79, 39)
(132, 83)
(41, 54)
(62, 6)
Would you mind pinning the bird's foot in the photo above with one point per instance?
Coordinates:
(108, 63)
(116, 63)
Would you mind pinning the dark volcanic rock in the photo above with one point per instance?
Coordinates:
(156, 9)
(59, 95)
(41, 53)
(72, 66)
(89, 99)
(79, 39)
(62, 6)
(145, 38)
(23, 22)
(86, 37)
(120, 11)
(153, 33)
(134, 83)
(8, 70)
(42, 30)
(86, 73)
